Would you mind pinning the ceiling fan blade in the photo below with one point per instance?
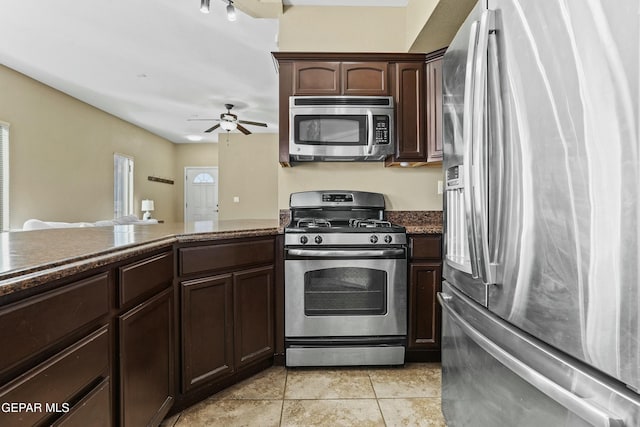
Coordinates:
(243, 129)
(247, 122)
(212, 128)
(198, 120)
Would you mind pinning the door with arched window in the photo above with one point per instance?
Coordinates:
(201, 194)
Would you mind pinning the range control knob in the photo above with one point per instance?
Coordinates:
(304, 240)
(388, 239)
(318, 239)
(373, 238)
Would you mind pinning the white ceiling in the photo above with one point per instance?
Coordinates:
(152, 63)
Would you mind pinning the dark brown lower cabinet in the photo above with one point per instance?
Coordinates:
(53, 387)
(253, 315)
(227, 324)
(424, 319)
(94, 410)
(207, 330)
(146, 361)
(425, 277)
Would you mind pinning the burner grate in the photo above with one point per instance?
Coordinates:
(313, 223)
(368, 223)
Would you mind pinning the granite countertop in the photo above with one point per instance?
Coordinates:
(418, 222)
(29, 258)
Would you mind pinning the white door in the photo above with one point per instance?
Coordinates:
(201, 194)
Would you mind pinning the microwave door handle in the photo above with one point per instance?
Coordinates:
(467, 135)
(479, 160)
(370, 132)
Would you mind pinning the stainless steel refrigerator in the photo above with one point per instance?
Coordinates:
(541, 298)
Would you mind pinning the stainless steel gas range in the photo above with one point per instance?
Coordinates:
(345, 281)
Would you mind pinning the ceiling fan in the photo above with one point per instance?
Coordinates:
(229, 121)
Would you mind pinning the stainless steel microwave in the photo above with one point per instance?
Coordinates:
(341, 128)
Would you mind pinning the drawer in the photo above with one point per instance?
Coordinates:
(57, 381)
(142, 277)
(35, 324)
(224, 256)
(93, 410)
(428, 246)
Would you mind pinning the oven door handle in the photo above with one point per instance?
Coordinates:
(331, 253)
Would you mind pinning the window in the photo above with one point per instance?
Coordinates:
(122, 185)
(203, 178)
(4, 176)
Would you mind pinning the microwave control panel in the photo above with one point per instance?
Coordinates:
(381, 126)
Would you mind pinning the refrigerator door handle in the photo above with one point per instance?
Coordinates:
(467, 134)
(479, 160)
(496, 149)
(581, 407)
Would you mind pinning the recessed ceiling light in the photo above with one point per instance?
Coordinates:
(194, 138)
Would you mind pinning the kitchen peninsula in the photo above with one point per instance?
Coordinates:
(123, 325)
(99, 323)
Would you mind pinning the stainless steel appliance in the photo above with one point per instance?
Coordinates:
(341, 128)
(345, 281)
(541, 292)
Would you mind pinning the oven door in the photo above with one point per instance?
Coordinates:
(345, 292)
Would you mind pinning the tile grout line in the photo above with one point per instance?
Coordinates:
(375, 394)
(284, 391)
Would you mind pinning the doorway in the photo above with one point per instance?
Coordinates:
(200, 194)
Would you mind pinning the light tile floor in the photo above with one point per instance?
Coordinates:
(401, 396)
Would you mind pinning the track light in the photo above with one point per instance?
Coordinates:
(204, 6)
(231, 11)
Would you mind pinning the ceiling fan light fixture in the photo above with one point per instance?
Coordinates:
(231, 12)
(204, 6)
(228, 125)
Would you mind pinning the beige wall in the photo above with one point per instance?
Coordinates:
(334, 29)
(342, 29)
(248, 170)
(196, 154)
(417, 12)
(61, 156)
(404, 188)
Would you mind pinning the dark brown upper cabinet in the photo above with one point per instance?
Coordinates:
(434, 110)
(316, 78)
(365, 78)
(409, 95)
(417, 91)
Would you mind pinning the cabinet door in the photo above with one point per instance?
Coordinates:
(434, 111)
(424, 311)
(207, 330)
(365, 78)
(316, 78)
(146, 361)
(410, 112)
(253, 315)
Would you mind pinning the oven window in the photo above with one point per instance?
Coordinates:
(330, 130)
(345, 291)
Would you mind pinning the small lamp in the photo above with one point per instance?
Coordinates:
(231, 11)
(147, 206)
